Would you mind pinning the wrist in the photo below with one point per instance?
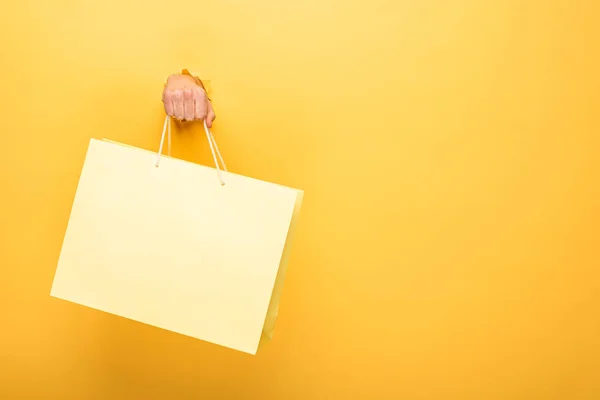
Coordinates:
(195, 78)
(183, 80)
(179, 79)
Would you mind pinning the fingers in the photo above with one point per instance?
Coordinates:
(200, 105)
(210, 115)
(169, 106)
(178, 110)
(188, 105)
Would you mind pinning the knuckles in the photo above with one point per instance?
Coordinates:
(200, 94)
(180, 101)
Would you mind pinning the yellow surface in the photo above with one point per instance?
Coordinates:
(448, 248)
(172, 247)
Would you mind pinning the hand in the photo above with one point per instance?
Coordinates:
(185, 100)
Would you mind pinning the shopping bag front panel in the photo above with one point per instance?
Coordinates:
(171, 247)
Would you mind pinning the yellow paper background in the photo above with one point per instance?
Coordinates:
(449, 245)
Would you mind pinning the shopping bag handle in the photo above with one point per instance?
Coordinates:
(214, 149)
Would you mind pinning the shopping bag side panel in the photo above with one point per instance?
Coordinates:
(273, 310)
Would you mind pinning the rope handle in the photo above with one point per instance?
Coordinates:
(214, 149)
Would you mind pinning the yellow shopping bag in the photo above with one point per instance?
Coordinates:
(177, 245)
